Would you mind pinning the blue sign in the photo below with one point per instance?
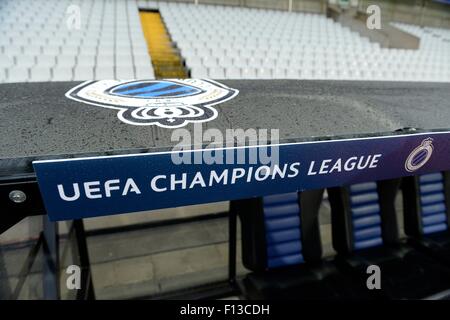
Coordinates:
(443, 1)
(88, 187)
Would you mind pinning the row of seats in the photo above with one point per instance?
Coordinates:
(69, 48)
(309, 60)
(71, 60)
(281, 241)
(320, 72)
(67, 73)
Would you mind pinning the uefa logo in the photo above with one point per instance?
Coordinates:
(419, 156)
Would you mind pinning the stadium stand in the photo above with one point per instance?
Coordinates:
(232, 43)
(39, 43)
(218, 42)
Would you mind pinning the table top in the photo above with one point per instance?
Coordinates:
(38, 120)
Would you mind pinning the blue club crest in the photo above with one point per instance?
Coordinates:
(419, 156)
(154, 89)
(170, 103)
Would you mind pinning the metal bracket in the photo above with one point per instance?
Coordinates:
(19, 198)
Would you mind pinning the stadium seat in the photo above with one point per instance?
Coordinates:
(124, 72)
(2, 74)
(365, 232)
(40, 73)
(248, 73)
(18, 74)
(281, 245)
(83, 72)
(233, 73)
(426, 213)
(25, 61)
(87, 60)
(6, 61)
(102, 72)
(69, 60)
(46, 61)
(62, 73)
(199, 72)
(216, 73)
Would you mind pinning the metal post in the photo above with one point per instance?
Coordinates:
(51, 260)
(87, 290)
(5, 288)
(290, 6)
(232, 226)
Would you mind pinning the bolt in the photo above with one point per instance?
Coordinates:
(17, 196)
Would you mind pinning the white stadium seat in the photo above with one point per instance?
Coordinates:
(67, 60)
(199, 72)
(233, 73)
(102, 73)
(248, 73)
(144, 73)
(2, 74)
(125, 73)
(86, 60)
(46, 61)
(6, 61)
(217, 73)
(18, 74)
(40, 73)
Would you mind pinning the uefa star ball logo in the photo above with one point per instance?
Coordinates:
(419, 156)
(170, 103)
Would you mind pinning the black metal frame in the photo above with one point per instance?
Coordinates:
(15, 212)
(49, 241)
(87, 288)
(232, 245)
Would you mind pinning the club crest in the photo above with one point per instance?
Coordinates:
(170, 103)
(419, 156)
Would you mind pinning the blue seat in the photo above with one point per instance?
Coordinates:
(365, 232)
(426, 201)
(426, 204)
(281, 245)
(366, 218)
(363, 216)
(272, 231)
(282, 222)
